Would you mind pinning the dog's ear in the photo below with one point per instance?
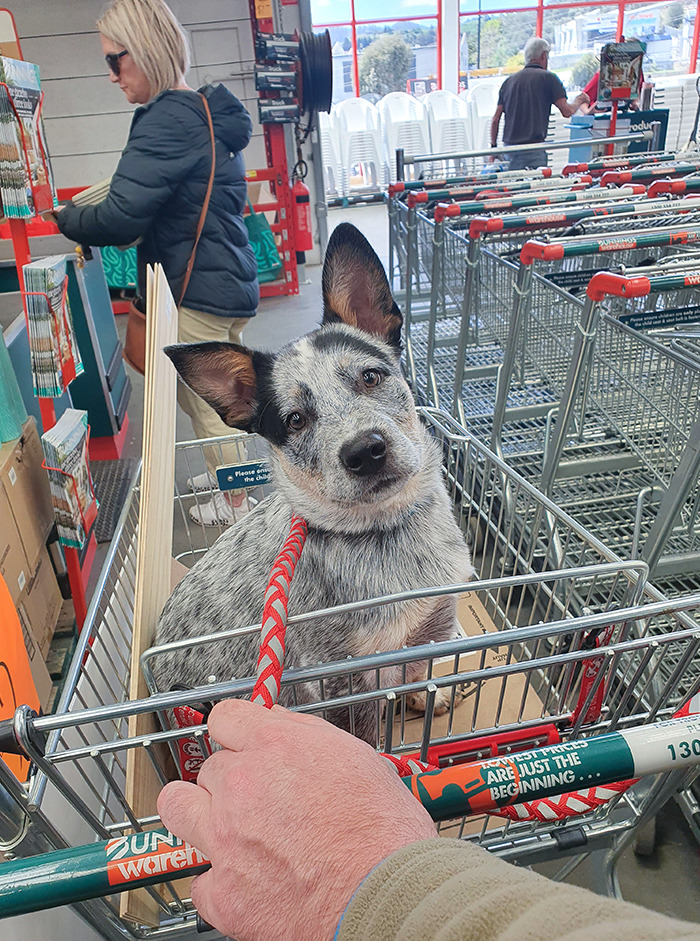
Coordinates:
(355, 287)
(223, 374)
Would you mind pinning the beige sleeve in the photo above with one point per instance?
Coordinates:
(450, 890)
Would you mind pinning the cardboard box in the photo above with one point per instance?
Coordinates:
(499, 702)
(14, 567)
(40, 672)
(26, 485)
(492, 703)
(39, 603)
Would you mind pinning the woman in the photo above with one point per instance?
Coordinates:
(157, 193)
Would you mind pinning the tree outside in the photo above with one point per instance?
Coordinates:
(584, 70)
(384, 65)
(672, 15)
(498, 38)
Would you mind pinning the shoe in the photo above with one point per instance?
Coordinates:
(245, 507)
(199, 482)
(215, 512)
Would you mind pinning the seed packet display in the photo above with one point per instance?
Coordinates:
(55, 357)
(26, 181)
(66, 448)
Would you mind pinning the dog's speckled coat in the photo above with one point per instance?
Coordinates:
(350, 456)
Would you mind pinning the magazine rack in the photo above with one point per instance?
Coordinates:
(72, 554)
(19, 230)
(42, 196)
(68, 371)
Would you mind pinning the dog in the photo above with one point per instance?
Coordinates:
(349, 454)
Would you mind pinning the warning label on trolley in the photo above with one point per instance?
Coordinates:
(670, 317)
(145, 855)
(242, 476)
(572, 279)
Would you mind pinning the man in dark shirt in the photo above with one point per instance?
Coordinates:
(526, 99)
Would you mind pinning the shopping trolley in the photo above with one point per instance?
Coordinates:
(435, 250)
(396, 205)
(644, 493)
(546, 312)
(492, 272)
(477, 302)
(558, 657)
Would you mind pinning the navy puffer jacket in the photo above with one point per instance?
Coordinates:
(157, 193)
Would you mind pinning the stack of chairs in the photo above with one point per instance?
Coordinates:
(404, 126)
(358, 129)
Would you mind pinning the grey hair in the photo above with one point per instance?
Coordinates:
(534, 48)
(153, 37)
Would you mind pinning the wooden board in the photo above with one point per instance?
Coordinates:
(154, 551)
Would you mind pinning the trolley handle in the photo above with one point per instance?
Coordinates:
(540, 219)
(674, 187)
(607, 284)
(618, 177)
(599, 165)
(551, 197)
(553, 251)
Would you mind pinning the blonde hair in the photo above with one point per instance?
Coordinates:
(153, 37)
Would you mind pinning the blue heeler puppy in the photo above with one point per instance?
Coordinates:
(350, 456)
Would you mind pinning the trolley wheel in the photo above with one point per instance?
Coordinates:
(645, 839)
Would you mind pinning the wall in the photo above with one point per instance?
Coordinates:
(87, 117)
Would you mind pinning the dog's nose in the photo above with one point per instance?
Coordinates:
(365, 454)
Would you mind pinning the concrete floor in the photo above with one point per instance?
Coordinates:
(668, 880)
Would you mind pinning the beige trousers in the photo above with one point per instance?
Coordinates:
(197, 327)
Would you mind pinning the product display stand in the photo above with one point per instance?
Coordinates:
(77, 572)
(19, 233)
(72, 555)
(277, 175)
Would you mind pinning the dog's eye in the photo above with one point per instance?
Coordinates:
(372, 378)
(295, 421)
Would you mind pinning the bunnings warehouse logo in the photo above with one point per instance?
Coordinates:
(142, 855)
(614, 245)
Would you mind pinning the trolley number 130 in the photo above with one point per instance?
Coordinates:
(685, 749)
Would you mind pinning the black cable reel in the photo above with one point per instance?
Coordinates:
(316, 92)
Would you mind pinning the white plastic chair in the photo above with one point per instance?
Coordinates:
(358, 129)
(450, 127)
(669, 93)
(482, 97)
(332, 172)
(689, 105)
(484, 94)
(404, 125)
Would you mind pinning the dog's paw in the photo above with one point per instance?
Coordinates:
(443, 700)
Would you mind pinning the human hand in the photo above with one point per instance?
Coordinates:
(582, 98)
(293, 814)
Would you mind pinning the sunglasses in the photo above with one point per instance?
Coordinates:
(112, 60)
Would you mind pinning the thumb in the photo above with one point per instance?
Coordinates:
(238, 724)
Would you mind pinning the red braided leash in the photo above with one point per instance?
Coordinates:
(274, 621)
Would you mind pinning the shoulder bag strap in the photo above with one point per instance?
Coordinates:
(205, 205)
